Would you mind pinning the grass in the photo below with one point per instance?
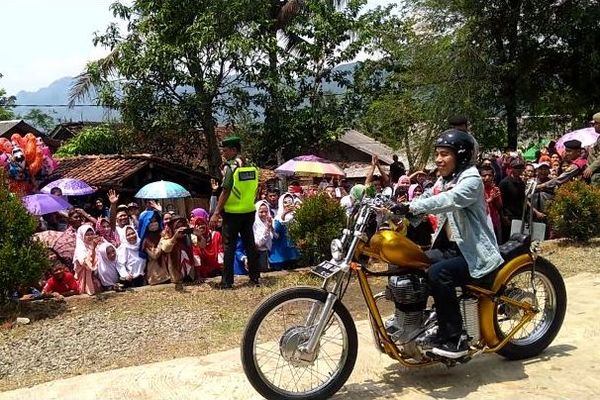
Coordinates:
(227, 311)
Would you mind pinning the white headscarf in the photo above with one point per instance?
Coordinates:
(281, 214)
(128, 254)
(82, 250)
(107, 269)
(262, 234)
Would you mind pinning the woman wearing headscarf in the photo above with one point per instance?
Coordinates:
(177, 246)
(199, 213)
(104, 230)
(263, 233)
(84, 259)
(283, 252)
(349, 201)
(107, 266)
(207, 248)
(150, 227)
(131, 266)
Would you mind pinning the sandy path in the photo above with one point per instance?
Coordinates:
(566, 370)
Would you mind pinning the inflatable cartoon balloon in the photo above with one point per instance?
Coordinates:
(25, 159)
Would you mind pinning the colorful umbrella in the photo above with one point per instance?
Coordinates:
(162, 190)
(587, 137)
(40, 204)
(69, 187)
(60, 243)
(309, 166)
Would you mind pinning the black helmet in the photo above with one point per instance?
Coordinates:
(462, 143)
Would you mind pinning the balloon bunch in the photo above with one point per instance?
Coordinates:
(25, 158)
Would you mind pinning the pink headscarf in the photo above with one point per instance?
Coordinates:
(404, 180)
(200, 213)
(411, 191)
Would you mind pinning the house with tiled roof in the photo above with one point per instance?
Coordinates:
(129, 173)
(354, 150)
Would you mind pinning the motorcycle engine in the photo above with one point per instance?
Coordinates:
(409, 293)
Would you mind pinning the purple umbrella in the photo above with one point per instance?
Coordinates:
(69, 187)
(586, 136)
(40, 204)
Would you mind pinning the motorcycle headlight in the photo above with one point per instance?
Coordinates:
(337, 250)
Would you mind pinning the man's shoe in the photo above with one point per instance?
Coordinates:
(225, 286)
(453, 348)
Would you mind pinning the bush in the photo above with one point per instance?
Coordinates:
(101, 139)
(22, 260)
(316, 223)
(575, 211)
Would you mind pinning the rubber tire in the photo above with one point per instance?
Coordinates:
(261, 312)
(513, 351)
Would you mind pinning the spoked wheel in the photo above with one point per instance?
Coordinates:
(549, 297)
(274, 339)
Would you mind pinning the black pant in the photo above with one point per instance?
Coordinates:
(444, 276)
(234, 225)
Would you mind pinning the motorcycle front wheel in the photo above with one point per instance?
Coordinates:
(279, 327)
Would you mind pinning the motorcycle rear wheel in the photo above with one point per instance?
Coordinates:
(551, 298)
(270, 337)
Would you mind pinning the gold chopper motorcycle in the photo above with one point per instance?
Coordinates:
(301, 342)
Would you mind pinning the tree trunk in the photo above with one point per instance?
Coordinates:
(512, 127)
(212, 145)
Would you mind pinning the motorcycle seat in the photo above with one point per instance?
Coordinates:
(517, 245)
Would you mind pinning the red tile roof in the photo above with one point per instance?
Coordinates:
(112, 170)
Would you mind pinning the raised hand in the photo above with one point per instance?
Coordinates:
(214, 184)
(155, 205)
(113, 197)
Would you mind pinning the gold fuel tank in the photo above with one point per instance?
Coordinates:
(395, 248)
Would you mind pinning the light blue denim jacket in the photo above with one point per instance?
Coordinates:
(461, 204)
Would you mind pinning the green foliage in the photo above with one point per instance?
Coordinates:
(40, 119)
(101, 139)
(179, 63)
(22, 260)
(316, 223)
(5, 112)
(528, 55)
(575, 211)
(296, 81)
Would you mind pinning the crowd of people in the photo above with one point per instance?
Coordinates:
(116, 247)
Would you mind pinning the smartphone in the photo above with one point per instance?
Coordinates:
(188, 231)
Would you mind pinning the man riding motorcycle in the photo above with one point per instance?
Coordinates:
(464, 246)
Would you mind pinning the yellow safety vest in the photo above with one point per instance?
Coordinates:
(243, 193)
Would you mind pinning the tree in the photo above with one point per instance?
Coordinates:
(5, 112)
(301, 111)
(40, 119)
(522, 48)
(22, 260)
(405, 96)
(101, 139)
(178, 64)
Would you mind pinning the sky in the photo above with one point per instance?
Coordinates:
(44, 40)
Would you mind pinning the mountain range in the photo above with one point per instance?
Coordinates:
(53, 100)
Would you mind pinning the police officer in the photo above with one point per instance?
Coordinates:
(236, 206)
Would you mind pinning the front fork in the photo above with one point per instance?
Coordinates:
(322, 314)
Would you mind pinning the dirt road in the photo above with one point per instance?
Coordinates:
(568, 369)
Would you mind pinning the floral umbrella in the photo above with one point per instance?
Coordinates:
(69, 187)
(309, 165)
(586, 136)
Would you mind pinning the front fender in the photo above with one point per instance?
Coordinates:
(486, 304)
